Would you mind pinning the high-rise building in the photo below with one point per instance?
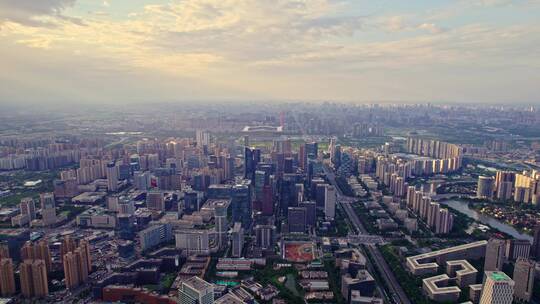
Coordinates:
(71, 270)
(241, 204)
(34, 282)
(497, 288)
(445, 222)
(203, 138)
(535, 250)
(251, 158)
(485, 187)
(267, 202)
(311, 212)
(7, 277)
(237, 236)
(220, 217)
(524, 279)
(495, 251)
(4, 251)
(297, 219)
(48, 210)
(112, 177)
(330, 203)
(196, 291)
(77, 265)
(193, 241)
(517, 248)
(155, 200)
(264, 236)
(155, 235)
(504, 183)
(38, 251)
(28, 208)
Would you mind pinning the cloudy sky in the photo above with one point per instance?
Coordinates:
(265, 50)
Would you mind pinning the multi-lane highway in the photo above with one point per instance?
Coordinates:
(398, 295)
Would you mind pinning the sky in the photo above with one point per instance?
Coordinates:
(121, 51)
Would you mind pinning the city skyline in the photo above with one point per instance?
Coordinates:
(69, 51)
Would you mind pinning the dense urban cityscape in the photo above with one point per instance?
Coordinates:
(269, 152)
(284, 203)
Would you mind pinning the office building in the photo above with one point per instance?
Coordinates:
(296, 219)
(311, 212)
(363, 282)
(34, 283)
(7, 277)
(497, 288)
(241, 204)
(220, 207)
(237, 236)
(330, 203)
(196, 291)
(265, 236)
(524, 279)
(154, 235)
(495, 251)
(193, 241)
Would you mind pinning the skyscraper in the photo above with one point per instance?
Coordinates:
(494, 254)
(524, 279)
(196, 291)
(7, 277)
(497, 288)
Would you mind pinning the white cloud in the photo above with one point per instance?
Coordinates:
(266, 48)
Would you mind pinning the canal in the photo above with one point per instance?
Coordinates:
(463, 207)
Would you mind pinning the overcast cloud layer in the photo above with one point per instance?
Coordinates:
(357, 51)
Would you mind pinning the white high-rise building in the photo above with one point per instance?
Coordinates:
(498, 288)
(330, 203)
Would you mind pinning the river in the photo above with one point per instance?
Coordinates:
(463, 207)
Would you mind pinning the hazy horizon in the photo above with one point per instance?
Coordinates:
(135, 51)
